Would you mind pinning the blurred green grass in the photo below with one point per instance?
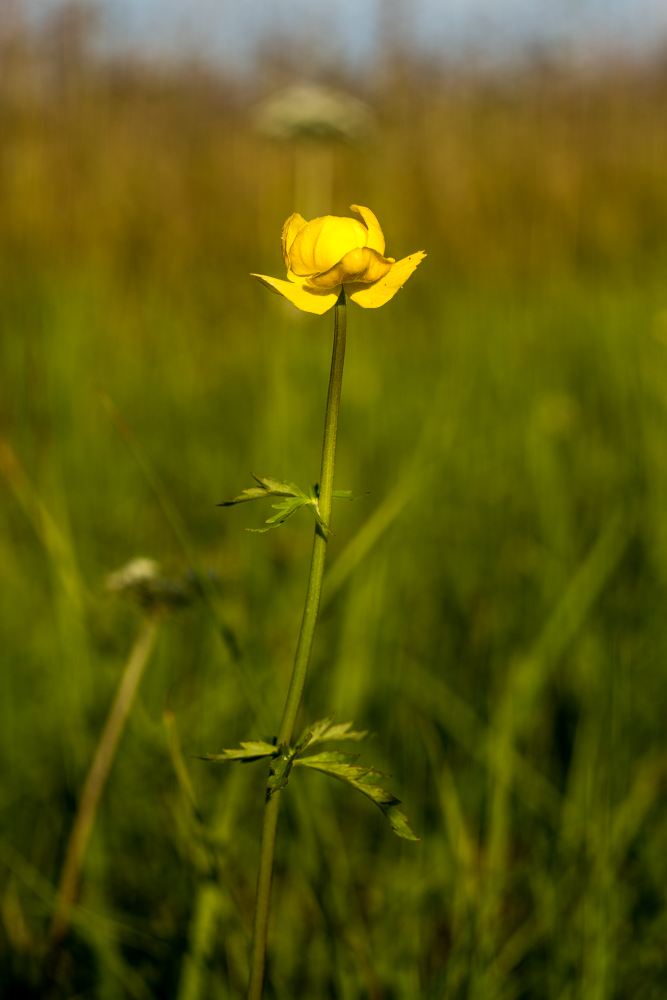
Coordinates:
(496, 604)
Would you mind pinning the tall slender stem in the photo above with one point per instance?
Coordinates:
(304, 646)
(96, 780)
(314, 591)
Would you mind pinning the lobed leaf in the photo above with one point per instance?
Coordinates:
(251, 750)
(342, 731)
(252, 493)
(325, 730)
(277, 487)
(348, 495)
(364, 779)
(331, 756)
(291, 505)
(303, 743)
(268, 487)
(286, 509)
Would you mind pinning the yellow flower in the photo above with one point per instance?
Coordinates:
(331, 253)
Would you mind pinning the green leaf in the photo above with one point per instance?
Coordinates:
(277, 487)
(279, 769)
(268, 487)
(348, 495)
(286, 509)
(290, 505)
(318, 517)
(252, 493)
(364, 779)
(333, 757)
(325, 730)
(342, 731)
(303, 743)
(251, 750)
(315, 729)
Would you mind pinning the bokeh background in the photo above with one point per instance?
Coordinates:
(494, 608)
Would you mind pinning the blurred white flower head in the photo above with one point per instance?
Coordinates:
(312, 110)
(133, 574)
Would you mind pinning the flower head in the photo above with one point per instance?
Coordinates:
(314, 111)
(331, 253)
(141, 580)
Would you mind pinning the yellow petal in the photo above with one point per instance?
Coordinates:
(372, 296)
(323, 242)
(364, 265)
(290, 229)
(375, 234)
(312, 300)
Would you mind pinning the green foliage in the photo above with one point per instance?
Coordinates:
(280, 768)
(273, 487)
(347, 495)
(250, 750)
(267, 487)
(339, 764)
(335, 762)
(495, 610)
(286, 510)
(325, 731)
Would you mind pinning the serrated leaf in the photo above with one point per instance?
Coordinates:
(373, 777)
(348, 495)
(277, 487)
(268, 487)
(252, 493)
(291, 505)
(317, 728)
(338, 767)
(325, 730)
(342, 731)
(303, 743)
(398, 820)
(364, 780)
(286, 509)
(250, 750)
(330, 757)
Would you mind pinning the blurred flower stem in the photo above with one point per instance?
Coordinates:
(304, 646)
(95, 782)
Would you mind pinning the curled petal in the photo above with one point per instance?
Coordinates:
(290, 229)
(375, 234)
(372, 296)
(361, 265)
(323, 242)
(312, 300)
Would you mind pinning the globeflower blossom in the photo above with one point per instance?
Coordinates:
(333, 253)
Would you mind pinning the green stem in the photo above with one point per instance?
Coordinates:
(304, 646)
(314, 591)
(95, 782)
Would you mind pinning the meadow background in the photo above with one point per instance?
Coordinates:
(494, 608)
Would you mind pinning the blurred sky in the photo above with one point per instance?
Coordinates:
(231, 30)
